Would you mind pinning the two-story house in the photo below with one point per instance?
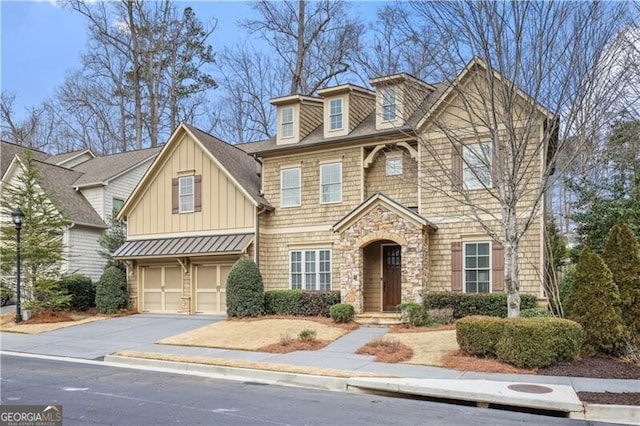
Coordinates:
(86, 189)
(342, 198)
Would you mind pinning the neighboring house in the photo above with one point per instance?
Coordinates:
(85, 189)
(338, 200)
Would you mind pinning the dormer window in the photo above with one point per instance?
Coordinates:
(286, 126)
(389, 104)
(335, 114)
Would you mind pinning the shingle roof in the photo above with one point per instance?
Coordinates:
(237, 162)
(185, 246)
(101, 169)
(9, 150)
(58, 182)
(61, 158)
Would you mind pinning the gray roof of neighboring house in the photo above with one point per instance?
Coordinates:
(237, 162)
(101, 169)
(9, 150)
(58, 182)
(61, 158)
(185, 246)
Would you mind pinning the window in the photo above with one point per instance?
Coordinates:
(287, 122)
(186, 192)
(477, 267)
(331, 183)
(290, 187)
(310, 269)
(394, 164)
(476, 167)
(116, 206)
(335, 114)
(389, 104)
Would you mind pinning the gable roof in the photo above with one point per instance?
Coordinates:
(9, 150)
(100, 170)
(376, 199)
(60, 159)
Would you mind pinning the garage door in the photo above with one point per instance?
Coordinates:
(210, 289)
(161, 288)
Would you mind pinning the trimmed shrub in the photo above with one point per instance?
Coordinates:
(82, 291)
(479, 335)
(245, 291)
(487, 304)
(342, 312)
(535, 313)
(413, 314)
(282, 302)
(622, 256)
(317, 303)
(111, 291)
(594, 302)
(538, 342)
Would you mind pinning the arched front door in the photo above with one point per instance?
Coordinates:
(391, 277)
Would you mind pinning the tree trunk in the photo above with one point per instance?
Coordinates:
(511, 271)
(135, 75)
(297, 74)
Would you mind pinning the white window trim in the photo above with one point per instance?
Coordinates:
(477, 184)
(282, 188)
(180, 194)
(394, 104)
(322, 166)
(464, 265)
(283, 123)
(394, 156)
(341, 114)
(317, 269)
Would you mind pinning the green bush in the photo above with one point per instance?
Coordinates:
(567, 283)
(81, 290)
(282, 302)
(538, 342)
(245, 291)
(342, 312)
(535, 313)
(111, 291)
(48, 295)
(465, 304)
(594, 303)
(307, 335)
(317, 303)
(6, 293)
(413, 314)
(479, 335)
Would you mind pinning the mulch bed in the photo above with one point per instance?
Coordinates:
(610, 398)
(601, 367)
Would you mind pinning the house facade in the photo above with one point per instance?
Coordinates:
(86, 189)
(345, 197)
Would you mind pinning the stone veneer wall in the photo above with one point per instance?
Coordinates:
(382, 224)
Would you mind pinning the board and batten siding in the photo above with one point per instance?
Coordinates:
(83, 252)
(224, 205)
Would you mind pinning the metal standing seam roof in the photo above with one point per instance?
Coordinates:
(185, 246)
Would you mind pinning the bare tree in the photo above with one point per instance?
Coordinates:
(536, 62)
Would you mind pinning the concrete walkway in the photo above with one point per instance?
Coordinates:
(95, 340)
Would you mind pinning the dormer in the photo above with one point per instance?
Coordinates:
(345, 107)
(297, 116)
(397, 97)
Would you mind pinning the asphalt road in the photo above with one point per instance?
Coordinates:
(102, 395)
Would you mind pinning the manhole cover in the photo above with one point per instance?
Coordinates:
(530, 388)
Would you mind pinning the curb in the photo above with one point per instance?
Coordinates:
(623, 414)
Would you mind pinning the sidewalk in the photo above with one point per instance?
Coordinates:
(139, 333)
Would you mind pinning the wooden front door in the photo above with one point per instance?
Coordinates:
(391, 276)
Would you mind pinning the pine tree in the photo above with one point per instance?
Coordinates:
(111, 239)
(594, 302)
(622, 256)
(41, 236)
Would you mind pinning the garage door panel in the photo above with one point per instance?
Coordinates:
(172, 302)
(162, 288)
(210, 288)
(152, 278)
(207, 277)
(172, 278)
(152, 301)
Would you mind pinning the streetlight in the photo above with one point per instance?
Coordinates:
(18, 217)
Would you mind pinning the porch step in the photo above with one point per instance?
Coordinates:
(377, 319)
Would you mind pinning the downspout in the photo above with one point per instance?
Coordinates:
(257, 245)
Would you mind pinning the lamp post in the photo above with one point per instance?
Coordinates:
(18, 217)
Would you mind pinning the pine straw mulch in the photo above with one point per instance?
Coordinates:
(53, 320)
(390, 351)
(285, 346)
(349, 326)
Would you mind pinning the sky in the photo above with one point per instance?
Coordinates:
(41, 41)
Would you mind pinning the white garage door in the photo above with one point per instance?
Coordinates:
(161, 288)
(211, 288)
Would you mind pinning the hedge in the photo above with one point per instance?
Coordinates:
(465, 304)
(300, 302)
(479, 335)
(82, 291)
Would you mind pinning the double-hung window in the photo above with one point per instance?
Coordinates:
(335, 114)
(476, 167)
(477, 267)
(331, 183)
(186, 194)
(394, 164)
(389, 104)
(310, 269)
(290, 187)
(286, 122)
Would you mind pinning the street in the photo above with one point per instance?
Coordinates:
(100, 395)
